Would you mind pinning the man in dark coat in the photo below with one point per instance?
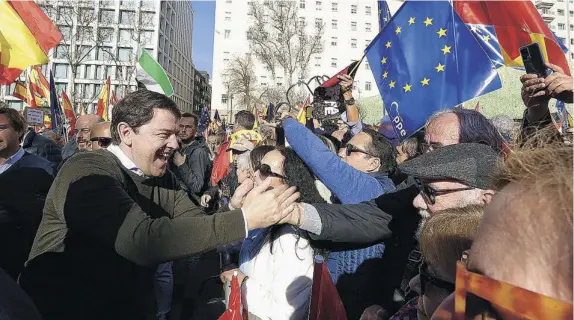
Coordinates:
(24, 183)
(41, 146)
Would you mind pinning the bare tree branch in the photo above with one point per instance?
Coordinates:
(280, 41)
(241, 80)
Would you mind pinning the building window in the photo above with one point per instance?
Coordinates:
(571, 40)
(353, 43)
(317, 61)
(572, 27)
(103, 53)
(227, 34)
(571, 55)
(227, 19)
(353, 9)
(127, 17)
(60, 70)
(85, 34)
(61, 51)
(147, 19)
(560, 12)
(334, 7)
(65, 13)
(318, 5)
(368, 27)
(146, 37)
(368, 85)
(302, 21)
(563, 40)
(367, 66)
(124, 54)
(228, 1)
(367, 43)
(302, 4)
(334, 24)
(368, 10)
(354, 25)
(125, 35)
(561, 26)
(147, 4)
(66, 31)
(105, 34)
(333, 41)
(334, 62)
(318, 22)
(571, 13)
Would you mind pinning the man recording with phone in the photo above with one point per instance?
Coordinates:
(536, 92)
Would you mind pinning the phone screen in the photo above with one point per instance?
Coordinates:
(533, 59)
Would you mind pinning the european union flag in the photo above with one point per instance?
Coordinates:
(204, 121)
(425, 60)
(384, 14)
(486, 37)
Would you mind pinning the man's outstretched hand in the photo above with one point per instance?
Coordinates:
(263, 208)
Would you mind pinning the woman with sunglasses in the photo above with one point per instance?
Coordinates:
(276, 263)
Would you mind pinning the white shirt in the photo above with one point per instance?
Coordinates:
(13, 159)
(130, 165)
(279, 283)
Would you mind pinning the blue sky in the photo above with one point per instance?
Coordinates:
(202, 38)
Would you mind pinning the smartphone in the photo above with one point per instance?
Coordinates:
(533, 59)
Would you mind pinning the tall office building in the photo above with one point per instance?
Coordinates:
(102, 39)
(559, 16)
(349, 27)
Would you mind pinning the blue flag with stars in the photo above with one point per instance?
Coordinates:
(426, 60)
(204, 121)
(384, 14)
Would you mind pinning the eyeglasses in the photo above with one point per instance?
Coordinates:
(427, 278)
(482, 292)
(103, 142)
(187, 127)
(430, 194)
(265, 172)
(349, 148)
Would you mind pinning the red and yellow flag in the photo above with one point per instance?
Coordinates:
(39, 83)
(21, 92)
(68, 111)
(114, 99)
(27, 35)
(104, 101)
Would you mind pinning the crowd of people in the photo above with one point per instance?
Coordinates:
(468, 218)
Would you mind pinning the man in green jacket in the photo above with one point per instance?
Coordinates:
(112, 216)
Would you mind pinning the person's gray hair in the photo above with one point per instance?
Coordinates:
(504, 124)
(474, 128)
(243, 161)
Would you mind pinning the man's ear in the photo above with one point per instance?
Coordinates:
(486, 196)
(374, 164)
(126, 133)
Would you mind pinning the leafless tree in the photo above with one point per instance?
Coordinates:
(241, 81)
(280, 40)
(78, 22)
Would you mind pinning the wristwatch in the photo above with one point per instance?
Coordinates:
(350, 102)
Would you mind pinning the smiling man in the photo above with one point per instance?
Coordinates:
(112, 216)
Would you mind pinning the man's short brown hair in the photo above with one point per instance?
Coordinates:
(16, 120)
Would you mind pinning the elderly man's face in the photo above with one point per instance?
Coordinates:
(442, 131)
(83, 129)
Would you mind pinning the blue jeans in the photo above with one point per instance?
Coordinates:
(163, 285)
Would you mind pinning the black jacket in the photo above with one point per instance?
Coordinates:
(195, 172)
(42, 146)
(23, 190)
(390, 218)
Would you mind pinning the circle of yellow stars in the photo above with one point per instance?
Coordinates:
(442, 32)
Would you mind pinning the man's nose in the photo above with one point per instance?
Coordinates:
(420, 203)
(172, 142)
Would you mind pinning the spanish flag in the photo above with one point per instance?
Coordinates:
(27, 35)
(39, 83)
(21, 92)
(104, 101)
(68, 110)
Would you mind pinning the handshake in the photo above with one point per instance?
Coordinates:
(263, 208)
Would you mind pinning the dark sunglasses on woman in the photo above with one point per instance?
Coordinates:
(103, 142)
(265, 172)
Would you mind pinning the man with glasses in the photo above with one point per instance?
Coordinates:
(101, 137)
(191, 163)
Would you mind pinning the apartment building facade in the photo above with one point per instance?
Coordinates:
(349, 27)
(103, 38)
(559, 16)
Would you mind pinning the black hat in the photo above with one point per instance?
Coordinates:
(470, 163)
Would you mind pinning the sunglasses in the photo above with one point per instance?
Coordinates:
(430, 194)
(476, 294)
(265, 172)
(349, 148)
(103, 142)
(427, 278)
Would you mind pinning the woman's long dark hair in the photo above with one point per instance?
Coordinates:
(297, 174)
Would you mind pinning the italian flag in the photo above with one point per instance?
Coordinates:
(150, 73)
